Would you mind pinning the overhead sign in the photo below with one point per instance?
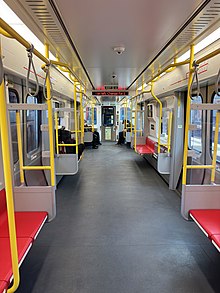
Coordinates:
(110, 93)
(111, 87)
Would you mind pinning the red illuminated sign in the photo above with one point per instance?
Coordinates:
(110, 93)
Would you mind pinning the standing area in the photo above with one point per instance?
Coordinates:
(119, 229)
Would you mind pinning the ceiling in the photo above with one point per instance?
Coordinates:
(84, 33)
(142, 26)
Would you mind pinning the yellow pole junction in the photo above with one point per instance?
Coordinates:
(160, 115)
(215, 146)
(50, 122)
(8, 186)
(187, 122)
(20, 148)
(75, 116)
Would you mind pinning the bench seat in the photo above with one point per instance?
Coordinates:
(24, 244)
(207, 220)
(28, 224)
(147, 148)
(3, 286)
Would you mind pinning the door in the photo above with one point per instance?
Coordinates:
(108, 123)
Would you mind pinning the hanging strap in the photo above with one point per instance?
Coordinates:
(1, 70)
(217, 84)
(195, 78)
(47, 71)
(31, 63)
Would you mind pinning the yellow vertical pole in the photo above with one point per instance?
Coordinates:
(75, 116)
(187, 122)
(81, 115)
(169, 130)
(160, 114)
(135, 124)
(8, 187)
(57, 133)
(92, 117)
(50, 122)
(215, 147)
(20, 147)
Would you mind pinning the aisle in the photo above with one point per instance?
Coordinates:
(119, 230)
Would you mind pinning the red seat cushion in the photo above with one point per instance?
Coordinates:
(209, 220)
(150, 144)
(143, 149)
(216, 241)
(3, 286)
(5, 256)
(28, 224)
(3, 208)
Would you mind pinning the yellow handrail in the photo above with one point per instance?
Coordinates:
(36, 168)
(8, 186)
(50, 122)
(160, 115)
(20, 148)
(187, 122)
(169, 131)
(215, 146)
(75, 117)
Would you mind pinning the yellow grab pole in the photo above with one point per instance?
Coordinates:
(169, 130)
(57, 133)
(135, 126)
(75, 117)
(93, 117)
(8, 187)
(20, 148)
(81, 115)
(160, 114)
(50, 122)
(215, 147)
(187, 122)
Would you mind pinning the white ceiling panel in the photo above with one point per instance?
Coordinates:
(142, 26)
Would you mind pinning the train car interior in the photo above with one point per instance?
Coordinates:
(109, 146)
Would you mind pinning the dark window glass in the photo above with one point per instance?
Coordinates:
(216, 100)
(195, 136)
(13, 98)
(32, 129)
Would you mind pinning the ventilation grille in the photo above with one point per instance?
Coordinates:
(201, 25)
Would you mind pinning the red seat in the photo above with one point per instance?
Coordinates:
(3, 286)
(28, 224)
(24, 244)
(143, 149)
(216, 241)
(208, 221)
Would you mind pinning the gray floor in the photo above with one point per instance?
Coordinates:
(119, 230)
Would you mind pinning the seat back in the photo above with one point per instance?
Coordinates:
(150, 143)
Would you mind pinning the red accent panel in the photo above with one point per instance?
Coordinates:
(208, 219)
(27, 224)
(5, 257)
(3, 286)
(216, 238)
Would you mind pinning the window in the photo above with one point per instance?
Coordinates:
(165, 121)
(32, 126)
(13, 98)
(122, 113)
(216, 100)
(88, 116)
(195, 136)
